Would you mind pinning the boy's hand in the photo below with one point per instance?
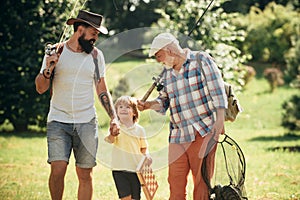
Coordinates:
(148, 160)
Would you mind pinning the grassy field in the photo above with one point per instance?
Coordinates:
(272, 173)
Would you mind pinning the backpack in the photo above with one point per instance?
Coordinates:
(233, 107)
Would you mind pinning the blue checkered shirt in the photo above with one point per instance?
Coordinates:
(192, 98)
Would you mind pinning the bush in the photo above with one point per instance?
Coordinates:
(270, 32)
(292, 72)
(291, 115)
(274, 76)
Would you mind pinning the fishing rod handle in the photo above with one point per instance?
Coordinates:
(145, 97)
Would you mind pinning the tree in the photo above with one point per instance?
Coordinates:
(245, 5)
(122, 15)
(270, 32)
(125, 15)
(216, 34)
(25, 28)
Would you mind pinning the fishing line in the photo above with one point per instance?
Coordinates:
(157, 81)
(66, 27)
(115, 5)
(197, 22)
(50, 48)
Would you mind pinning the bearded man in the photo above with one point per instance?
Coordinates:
(75, 68)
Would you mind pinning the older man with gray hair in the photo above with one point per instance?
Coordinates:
(197, 103)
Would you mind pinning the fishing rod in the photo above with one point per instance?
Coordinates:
(200, 18)
(158, 84)
(50, 48)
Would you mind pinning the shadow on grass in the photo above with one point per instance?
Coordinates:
(286, 148)
(268, 90)
(285, 137)
(281, 138)
(23, 135)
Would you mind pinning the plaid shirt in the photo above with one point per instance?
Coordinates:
(192, 98)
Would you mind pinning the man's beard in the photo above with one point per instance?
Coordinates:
(169, 63)
(86, 45)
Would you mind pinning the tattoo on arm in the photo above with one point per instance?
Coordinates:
(106, 102)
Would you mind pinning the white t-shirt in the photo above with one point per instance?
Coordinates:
(72, 98)
(126, 153)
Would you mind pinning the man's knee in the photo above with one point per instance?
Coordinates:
(58, 168)
(84, 174)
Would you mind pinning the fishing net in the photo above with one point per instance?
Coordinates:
(228, 180)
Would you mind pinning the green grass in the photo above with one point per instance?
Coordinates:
(272, 175)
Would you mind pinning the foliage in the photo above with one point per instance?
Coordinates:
(250, 74)
(292, 59)
(127, 14)
(270, 32)
(215, 34)
(120, 89)
(245, 5)
(274, 76)
(291, 115)
(21, 50)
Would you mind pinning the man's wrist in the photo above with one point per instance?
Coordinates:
(147, 105)
(153, 105)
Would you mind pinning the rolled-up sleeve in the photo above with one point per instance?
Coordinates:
(214, 81)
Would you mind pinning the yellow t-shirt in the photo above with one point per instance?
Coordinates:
(126, 152)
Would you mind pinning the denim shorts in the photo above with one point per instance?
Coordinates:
(82, 138)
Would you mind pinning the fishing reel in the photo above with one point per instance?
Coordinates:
(158, 83)
(50, 49)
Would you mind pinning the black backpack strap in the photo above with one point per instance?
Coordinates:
(95, 59)
(59, 48)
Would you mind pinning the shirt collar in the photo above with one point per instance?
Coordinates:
(188, 57)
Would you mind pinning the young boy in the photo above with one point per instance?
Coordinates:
(129, 148)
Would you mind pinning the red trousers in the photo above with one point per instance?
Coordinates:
(187, 157)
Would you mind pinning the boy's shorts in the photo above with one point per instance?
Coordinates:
(127, 183)
(82, 138)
